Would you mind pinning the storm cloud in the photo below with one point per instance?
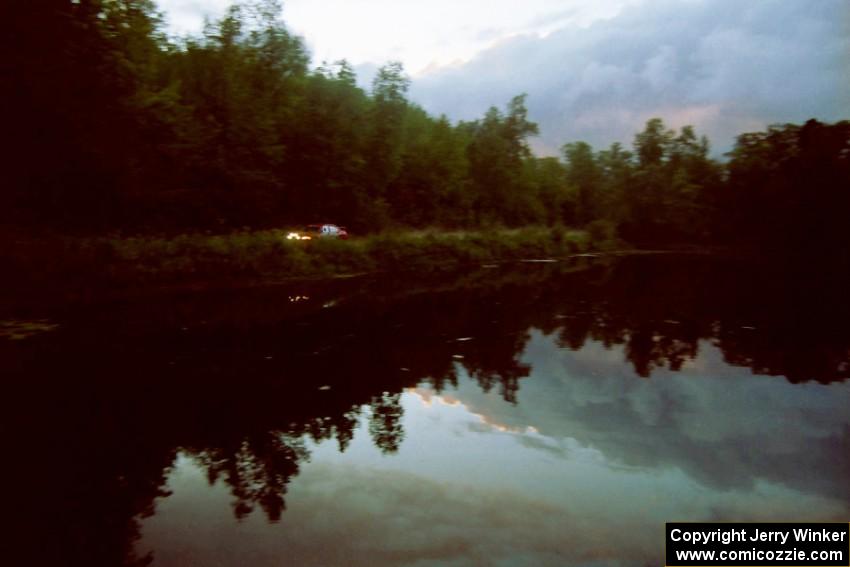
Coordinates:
(723, 66)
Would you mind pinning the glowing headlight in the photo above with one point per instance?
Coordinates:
(296, 236)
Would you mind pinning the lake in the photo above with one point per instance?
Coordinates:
(525, 414)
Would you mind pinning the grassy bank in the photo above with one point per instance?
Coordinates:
(147, 260)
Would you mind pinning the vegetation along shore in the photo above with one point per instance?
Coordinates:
(163, 149)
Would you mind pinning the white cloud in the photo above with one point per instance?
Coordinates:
(187, 16)
(724, 66)
(420, 34)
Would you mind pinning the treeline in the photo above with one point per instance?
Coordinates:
(113, 125)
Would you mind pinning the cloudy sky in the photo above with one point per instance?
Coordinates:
(594, 70)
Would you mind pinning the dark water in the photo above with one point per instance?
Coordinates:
(524, 415)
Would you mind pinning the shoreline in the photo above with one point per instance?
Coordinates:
(87, 288)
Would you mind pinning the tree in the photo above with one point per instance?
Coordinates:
(557, 198)
(652, 144)
(585, 178)
(430, 187)
(71, 72)
(496, 153)
(666, 200)
(384, 150)
(788, 187)
(326, 163)
(617, 168)
(243, 82)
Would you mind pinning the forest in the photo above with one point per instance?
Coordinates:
(117, 127)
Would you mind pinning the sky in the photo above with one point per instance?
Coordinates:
(594, 70)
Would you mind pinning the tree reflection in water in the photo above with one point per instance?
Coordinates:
(97, 410)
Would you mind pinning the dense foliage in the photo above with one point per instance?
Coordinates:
(115, 126)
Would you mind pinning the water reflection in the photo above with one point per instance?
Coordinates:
(16, 330)
(471, 485)
(549, 433)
